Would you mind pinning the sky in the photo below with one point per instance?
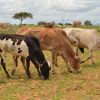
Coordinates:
(60, 11)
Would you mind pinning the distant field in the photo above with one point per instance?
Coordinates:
(14, 28)
(61, 86)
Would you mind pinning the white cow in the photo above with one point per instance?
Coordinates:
(82, 38)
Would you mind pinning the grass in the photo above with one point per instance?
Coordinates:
(61, 86)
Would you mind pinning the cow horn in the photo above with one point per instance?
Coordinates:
(49, 65)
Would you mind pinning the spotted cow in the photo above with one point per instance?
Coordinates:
(26, 46)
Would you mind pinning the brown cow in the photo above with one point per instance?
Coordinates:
(5, 25)
(57, 42)
(76, 23)
(48, 25)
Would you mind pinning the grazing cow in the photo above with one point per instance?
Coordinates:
(5, 25)
(57, 42)
(48, 25)
(82, 38)
(76, 23)
(97, 47)
(26, 46)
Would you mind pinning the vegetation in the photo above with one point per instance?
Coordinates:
(61, 86)
(22, 16)
(43, 22)
(87, 22)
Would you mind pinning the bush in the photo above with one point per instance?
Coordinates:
(87, 22)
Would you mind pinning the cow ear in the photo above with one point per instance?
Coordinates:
(49, 65)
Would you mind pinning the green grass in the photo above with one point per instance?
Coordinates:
(61, 86)
(14, 28)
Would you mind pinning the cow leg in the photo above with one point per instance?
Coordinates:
(56, 55)
(70, 69)
(76, 48)
(35, 58)
(27, 67)
(3, 64)
(89, 57)
(15, 64)
(34, 62)
(23, 63)
(53, 62)
(37, 67)
(93, 62)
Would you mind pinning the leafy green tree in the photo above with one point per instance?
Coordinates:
(68, 24)
(40, 23)
(60, 24)
(87, 22)
(22, 16)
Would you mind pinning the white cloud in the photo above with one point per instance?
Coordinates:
(51, 10)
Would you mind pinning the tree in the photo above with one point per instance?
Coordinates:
(40, 23)
(87, 22)
(22, 15)
(68, 24)
(60, 24)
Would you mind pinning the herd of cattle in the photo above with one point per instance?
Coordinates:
(28, 43)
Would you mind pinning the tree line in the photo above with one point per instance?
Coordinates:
(24, 15)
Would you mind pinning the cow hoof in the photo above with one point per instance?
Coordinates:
(70, 71)
(78, 72)
(29, 77)
(8, 77)
(12, 73)
(93, 63)
(41, 77)
(52, 72)
(82, 61)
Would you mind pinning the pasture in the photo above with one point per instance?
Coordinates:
(61, 86)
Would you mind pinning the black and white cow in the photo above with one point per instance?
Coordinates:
(26, 46)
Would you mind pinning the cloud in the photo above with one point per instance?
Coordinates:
(51, 10)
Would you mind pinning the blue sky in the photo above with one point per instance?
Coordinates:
(51, 10)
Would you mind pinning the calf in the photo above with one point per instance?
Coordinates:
(26, 46)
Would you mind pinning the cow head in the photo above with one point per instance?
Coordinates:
(75, 64)
(45, 68)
